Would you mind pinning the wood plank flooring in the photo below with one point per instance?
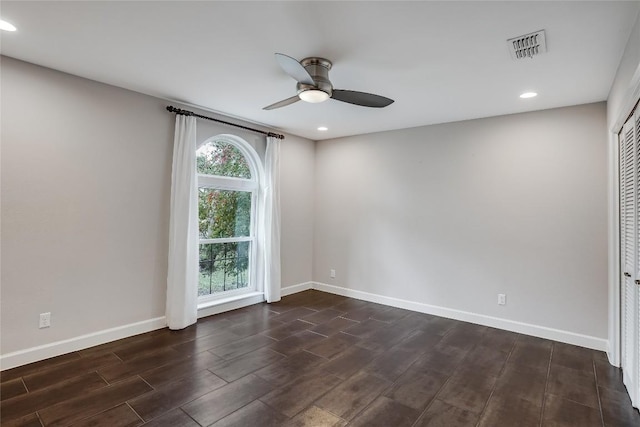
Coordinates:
(317, 359)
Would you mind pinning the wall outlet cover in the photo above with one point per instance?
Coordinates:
(45, 320)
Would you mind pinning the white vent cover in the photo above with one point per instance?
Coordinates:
(527, 46)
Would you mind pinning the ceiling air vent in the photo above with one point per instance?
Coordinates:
(527, 46)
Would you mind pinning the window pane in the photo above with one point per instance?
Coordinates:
(223, 159)
(224, 213)
(223, 267)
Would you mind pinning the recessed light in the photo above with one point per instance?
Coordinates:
(528, 95)
(323, 128)
(4, 25)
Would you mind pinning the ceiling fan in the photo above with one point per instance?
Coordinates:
(312, 75)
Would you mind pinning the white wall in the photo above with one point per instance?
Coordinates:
(451, 215)
(85, 175)
(297, 159)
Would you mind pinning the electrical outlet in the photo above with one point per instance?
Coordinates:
(45, 320)
(502, 299)
(332, 273)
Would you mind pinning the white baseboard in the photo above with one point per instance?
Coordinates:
(41, 352)
(293, 289)
(228, 304)
(34, 354)
(612, 356)
(480, 319)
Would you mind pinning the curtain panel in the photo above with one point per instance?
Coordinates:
(182, 273)
(272, 279)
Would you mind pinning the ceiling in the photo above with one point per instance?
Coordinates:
(439, 61)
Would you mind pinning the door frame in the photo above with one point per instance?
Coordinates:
(615, 326)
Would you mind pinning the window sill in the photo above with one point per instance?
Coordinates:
(221, 305)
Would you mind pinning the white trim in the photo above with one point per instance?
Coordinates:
(226, 240)
(231, 303)
(221, 297)
(219, 182)
(41, 352)
(465, 316)
(294, 289)
(613, 251)
(613, 226)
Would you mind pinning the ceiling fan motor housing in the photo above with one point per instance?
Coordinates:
(318, 68)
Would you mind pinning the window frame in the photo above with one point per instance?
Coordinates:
(253, 186)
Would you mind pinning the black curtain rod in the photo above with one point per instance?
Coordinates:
(173, 109)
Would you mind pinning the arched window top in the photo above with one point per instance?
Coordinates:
(222, 156)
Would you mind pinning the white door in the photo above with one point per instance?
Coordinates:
(629, 256)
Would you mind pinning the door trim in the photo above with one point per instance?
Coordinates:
(614, 345)
(615, 326)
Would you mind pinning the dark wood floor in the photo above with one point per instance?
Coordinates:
(316, 359)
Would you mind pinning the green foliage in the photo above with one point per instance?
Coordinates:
(222, 159)
(223, 266)
(223, 213)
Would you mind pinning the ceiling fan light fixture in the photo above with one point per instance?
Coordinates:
(314, 86)
(313, 96)
(6, 26)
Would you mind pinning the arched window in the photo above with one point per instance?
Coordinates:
(229, 177)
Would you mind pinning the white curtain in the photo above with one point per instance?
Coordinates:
(182, 274)
(272, 221)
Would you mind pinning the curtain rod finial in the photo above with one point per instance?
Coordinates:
(275, 135)
(180, 111)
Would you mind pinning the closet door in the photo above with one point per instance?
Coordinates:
(629, 257)
(634, 292)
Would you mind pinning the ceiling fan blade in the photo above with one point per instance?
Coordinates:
(361, 98)
(282, 103)
(292, 67)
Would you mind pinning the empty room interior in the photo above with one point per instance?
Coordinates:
(320, 213)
